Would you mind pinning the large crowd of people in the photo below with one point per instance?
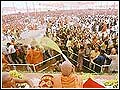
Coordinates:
(85, 34)
(90, 36)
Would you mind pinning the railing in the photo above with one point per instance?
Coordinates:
(49, 59)
(28, 66)
(90, 63)
(34, 66)
(47, 67)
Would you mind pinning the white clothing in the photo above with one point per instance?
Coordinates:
(114, 62)
(68, 43)
(11, 49)
(4, 50)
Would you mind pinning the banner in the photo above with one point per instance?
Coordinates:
(48, 43)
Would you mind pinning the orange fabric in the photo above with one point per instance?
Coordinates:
(4, 60)
(4, 63)
(57, 81)
(9, 84)
(68, 82)
(28, 57)
(42, 20)
(12, 27)
(17, 51)
(37, 57)
(34, 27)
(92, 84)
(3, 28)
(94, 40)
(72, 81)
(104, 27)
(12, 43)
(34, 57)
(66, 20)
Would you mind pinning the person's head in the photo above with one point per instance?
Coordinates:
(114, 40)
(70, 38)
(66, 68)
(102, 52)
(113, 51)
(32, 47)
(81, 47)
(88, 45)
(8, 44)
(96, 48)
(13, 40)
(46, 81)
(106, 42)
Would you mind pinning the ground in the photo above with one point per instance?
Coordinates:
(35, 77)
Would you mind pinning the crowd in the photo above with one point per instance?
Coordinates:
(88, 36)
(94, 35)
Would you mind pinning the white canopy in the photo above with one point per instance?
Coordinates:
(9, 7)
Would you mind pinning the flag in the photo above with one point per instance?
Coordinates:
(92, 84)
(48, 43)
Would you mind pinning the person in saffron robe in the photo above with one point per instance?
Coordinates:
(4, 60)
(33, 56)
(5, 67)
(67, 78)
(104, 27)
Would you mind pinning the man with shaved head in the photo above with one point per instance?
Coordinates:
(68, 79)
(10, 82)
(66, 68)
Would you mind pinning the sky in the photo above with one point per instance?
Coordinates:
(53, 5)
